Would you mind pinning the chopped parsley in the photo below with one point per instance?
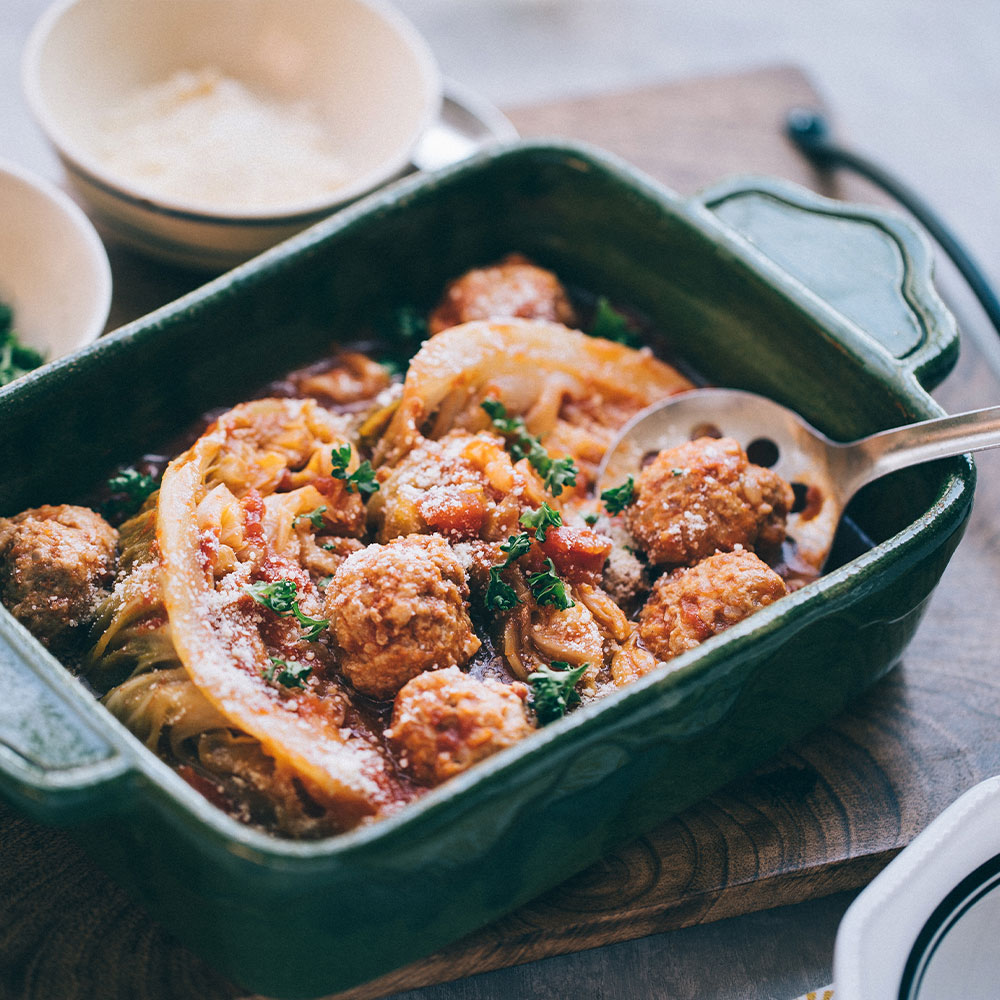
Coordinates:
(130, 488)
(561, 473)
(618, 498)
(526, 446)
(15, 358)
(281, 597)
(313, 626)
(314, 517)
(546, 586)
(364, 479)
(287, 673)
(610, 324)
(516, 546)
(501, 596)
(341, 458)
(541, 520)
(410, 324)
(553, 690)
(361, 480)
(590, 519)
(497, 412)
(556, 473)
(328, 546)
(549, 589)
(677, 472)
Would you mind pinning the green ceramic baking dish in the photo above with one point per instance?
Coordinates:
(757, 284)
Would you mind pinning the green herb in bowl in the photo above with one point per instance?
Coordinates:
(15, 358)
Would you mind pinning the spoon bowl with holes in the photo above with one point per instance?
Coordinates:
(824, 474)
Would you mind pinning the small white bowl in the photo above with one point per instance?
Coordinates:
(364, 73)
(928, 927)
(54, 271)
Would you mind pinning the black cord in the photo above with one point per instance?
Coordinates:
(810, 132)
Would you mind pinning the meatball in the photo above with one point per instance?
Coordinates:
(56, 563)
(513, 288)
(445, 721)
(704, 496)
(690, 605)
(397, 610)
(462, 486)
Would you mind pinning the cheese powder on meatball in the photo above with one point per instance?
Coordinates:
(513, 288)
(703, 496)
(444, 721)
(397, 610)
(690, 605)
(55, 563)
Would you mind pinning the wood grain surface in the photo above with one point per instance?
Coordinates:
(695, 132)
(823, 817)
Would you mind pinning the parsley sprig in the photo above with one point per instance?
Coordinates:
(281, 597)
(497, 412)
(409, 324)
(288, 673)
(549, 589)
(610, 324)
(15, 358)
(561, 473)
(619, 497)
(541, 520)
(546, 585)
(516, 546)
(553, 690)
(501, 596)
(556, 473)
(361, 480)
(130, 488)
(314, 517)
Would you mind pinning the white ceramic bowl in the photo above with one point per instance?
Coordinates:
(360, 68)
(54, 272)
(928, 927)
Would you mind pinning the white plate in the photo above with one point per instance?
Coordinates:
(928, 928)
(54, 272)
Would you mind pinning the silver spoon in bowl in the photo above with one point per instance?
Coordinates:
(824, 474)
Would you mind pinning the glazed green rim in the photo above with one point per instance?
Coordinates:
(939, 340)
(133, 764)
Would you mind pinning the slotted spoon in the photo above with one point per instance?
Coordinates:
(824, 474)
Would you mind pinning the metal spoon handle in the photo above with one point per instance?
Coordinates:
(877, 455)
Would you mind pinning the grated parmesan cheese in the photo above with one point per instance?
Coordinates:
(208, 140)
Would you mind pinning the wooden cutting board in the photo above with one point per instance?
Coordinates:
(823, 817)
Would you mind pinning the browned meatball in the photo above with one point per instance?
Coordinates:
(397, 610)
(462, 486)
(445, 721)
(513, 288)
(55, 563)
(703, 496)
(690, 605)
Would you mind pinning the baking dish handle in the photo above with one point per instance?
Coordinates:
(54, 763)
(870, 267)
